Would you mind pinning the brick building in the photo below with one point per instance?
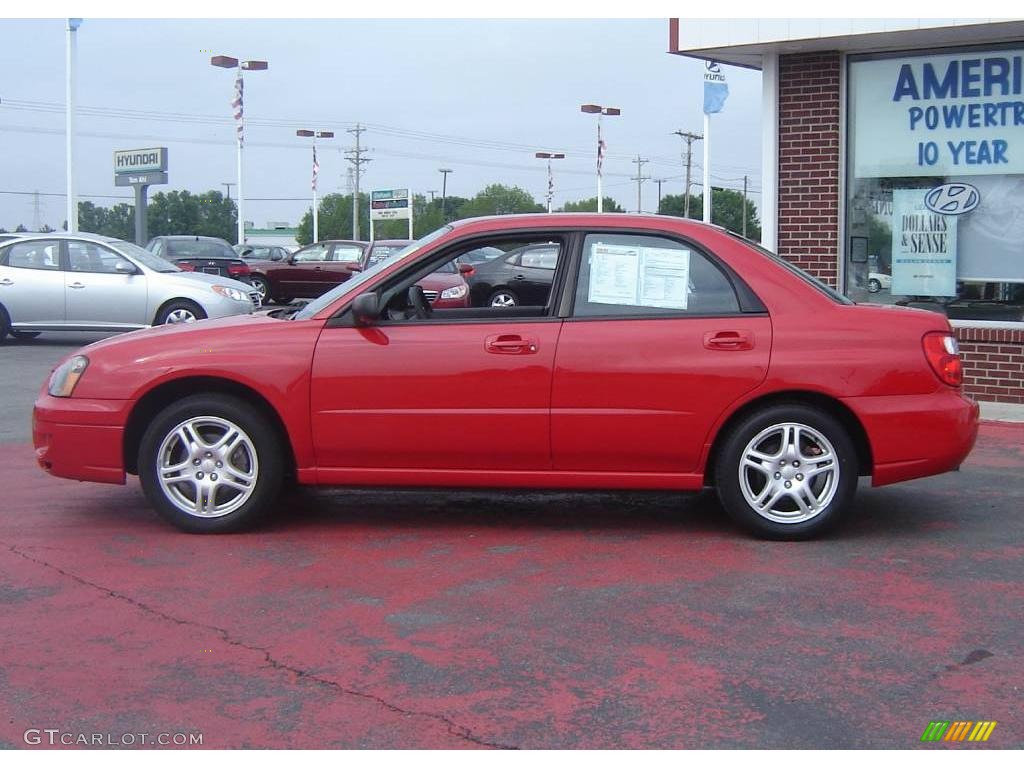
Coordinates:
(893, 166)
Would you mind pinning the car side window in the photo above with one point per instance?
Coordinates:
(313, 253)
(459, 287)
(156, 247)
(35, 254)
(92, 257)
(350, 254)
(639, 275)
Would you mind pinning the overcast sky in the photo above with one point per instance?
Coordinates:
(475, 96)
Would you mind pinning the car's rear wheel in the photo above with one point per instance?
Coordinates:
(787, 472)
(210, 464)
(259, 284)
(179, 311)
(874, 285)
(503, 298)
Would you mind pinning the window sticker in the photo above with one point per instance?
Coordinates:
(638, 276)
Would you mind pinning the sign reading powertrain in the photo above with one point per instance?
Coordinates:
(139, 168)
(954, 114)
(390, 204)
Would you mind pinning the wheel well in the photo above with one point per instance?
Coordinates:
(160, 397)
(823, 402)
(178, 300)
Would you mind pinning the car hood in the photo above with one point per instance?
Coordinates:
(190, 278)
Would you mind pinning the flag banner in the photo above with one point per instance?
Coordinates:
(316, 168)
(716, 91)
(601, 147)
(236, 105)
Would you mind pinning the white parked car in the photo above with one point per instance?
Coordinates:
(83, 282)
(879, 280)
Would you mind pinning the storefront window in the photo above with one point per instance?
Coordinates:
(935, 182)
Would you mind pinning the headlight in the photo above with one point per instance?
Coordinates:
(231, 293)
(454, 293)
(65, 377)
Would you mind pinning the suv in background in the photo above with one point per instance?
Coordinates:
(195, 253)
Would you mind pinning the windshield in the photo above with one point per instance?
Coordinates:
(823, 287)
(143, 256)
(354, 283)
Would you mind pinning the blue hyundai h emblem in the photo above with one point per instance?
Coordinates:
(952, 199)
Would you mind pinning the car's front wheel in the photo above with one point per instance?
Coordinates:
(503, 298)
(210, 464)
(179, 311)
(787, 472)
(874, 285)
(259, 284)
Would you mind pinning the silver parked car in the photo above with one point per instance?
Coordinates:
(83, 282)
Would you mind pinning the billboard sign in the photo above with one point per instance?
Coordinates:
(388, 204)
(139, 161)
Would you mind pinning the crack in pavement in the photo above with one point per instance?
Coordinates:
(454, 729)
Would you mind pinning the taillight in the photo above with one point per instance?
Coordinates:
(238, 269)
(943, 355)
(186, 267)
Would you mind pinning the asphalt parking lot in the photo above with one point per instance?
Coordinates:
(423, 619)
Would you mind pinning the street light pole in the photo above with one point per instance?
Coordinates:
(69, 128)
(549, 156)
(229, 62)
(597, 109)
(444, 193)
(316, 172)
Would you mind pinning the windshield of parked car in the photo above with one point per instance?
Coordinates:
(201, 249)
(380, 252)
(354, 283)
(143, 256)
(823, 287)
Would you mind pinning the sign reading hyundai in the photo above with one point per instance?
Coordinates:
(952, 199)
(140, 160)
(939, 115)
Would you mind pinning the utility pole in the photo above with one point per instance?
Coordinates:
(432, 192)
(37, 212)
(744, 205)
(355, 156)
(444, 193)
(229, 185)
(659, 182)
(349, 182)
(639, 179)
(69, 124)
(689, 137)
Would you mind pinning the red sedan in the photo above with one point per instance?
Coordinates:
(667, 355)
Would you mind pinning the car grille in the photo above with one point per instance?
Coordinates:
(256, 302)
(431, 295)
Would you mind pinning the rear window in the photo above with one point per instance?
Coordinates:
(201, 249)
(825, 288)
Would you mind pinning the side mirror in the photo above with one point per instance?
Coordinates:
(364, 309)
(466, 269)
(125, 268)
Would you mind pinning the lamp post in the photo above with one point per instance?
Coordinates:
(549, 156)
(597, 109)
(316, 172)
(69, 127)
(228, 62)
(444, 192)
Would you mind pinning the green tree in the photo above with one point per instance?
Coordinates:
(21, 228)
(335, 219)
(180, 212)
(589, 205)
(498, 199)
(726, 210)
(118, 221)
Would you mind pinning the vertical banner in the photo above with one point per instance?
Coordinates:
(923, 247)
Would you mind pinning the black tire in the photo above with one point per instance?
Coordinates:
(267, 470)
(178, 305)
(833, 485)
(24, 335)
(5, 324)
(282, 299)
(259, 283)
(511, 296)
(874, 286)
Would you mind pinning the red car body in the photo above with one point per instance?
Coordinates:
(638, 403)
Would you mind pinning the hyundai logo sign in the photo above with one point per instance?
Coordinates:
(952, 199)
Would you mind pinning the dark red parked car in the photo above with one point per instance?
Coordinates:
(309, 272)
(667, 354)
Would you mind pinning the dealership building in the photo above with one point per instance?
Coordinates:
(893, 166)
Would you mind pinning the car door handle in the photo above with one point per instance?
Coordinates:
(519, 277)
(510, 344)
(76, 285)
(728, 340)
(6, 281)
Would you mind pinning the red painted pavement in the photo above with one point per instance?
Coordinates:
(433, 619)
